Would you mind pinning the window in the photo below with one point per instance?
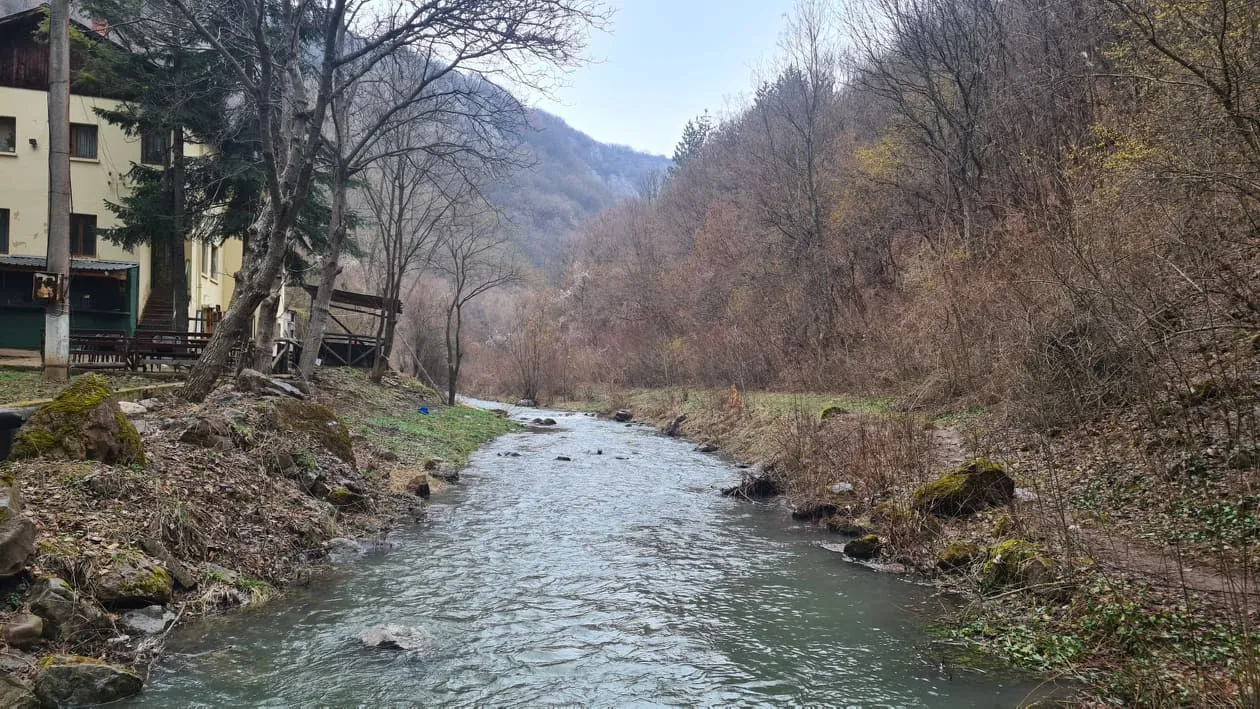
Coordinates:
(210, 260)
(153, 148)
(8, 134)
(82, 141)
(83, 235)
(4, 231)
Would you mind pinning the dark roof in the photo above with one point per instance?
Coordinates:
(76, 264)
(361, 300)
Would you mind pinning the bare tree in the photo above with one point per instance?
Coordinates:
(292, 58)
(474, 259)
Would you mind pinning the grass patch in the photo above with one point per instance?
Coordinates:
(23, 385)
(451, 433)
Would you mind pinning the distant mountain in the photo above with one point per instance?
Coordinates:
(573, 178)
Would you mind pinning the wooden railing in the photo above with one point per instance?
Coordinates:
(144, 351)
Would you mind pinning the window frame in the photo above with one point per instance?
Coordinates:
(154, 140)
(11, 120)
(78, 238)
(96, 141)
(5, 217)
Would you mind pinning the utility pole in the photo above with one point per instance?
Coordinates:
(57, 314)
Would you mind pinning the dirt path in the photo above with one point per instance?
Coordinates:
(1140, 561)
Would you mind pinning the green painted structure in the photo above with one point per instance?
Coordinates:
(104, 295)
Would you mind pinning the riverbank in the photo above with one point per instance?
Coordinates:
(208, 508)
(1082, 566)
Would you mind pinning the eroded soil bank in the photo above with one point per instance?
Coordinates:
(217, 506)
(1081, 553)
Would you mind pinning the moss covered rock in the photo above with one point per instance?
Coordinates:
(73, 681)
(1015, 562)
(840, 524)
(133, 580)
(957, 555)
(317, 420)
(17, 532)
(972, 487)
(866, 547)
(82, 423)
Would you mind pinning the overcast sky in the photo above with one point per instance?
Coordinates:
(665, 61)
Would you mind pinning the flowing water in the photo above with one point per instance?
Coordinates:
(618, 578)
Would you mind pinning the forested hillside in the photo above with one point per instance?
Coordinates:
(569, 178)
(1030, 226)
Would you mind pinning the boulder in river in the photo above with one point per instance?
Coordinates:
(149, 620)
(82, 423)
(675, 426)
(527, 402)
(706, 448)
(863, 548)
(73, 681)
(622, 416)
(392, 636)
(973, 486)
(814, 511)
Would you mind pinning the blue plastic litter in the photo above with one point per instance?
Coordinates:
(423, 410)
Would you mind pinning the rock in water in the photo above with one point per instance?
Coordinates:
(73, 681)
(814, 512)
(623, 416)
(17, 533)
(82, 423)
(675, 426)
(527, 402)
(863, 548)
(395, 637)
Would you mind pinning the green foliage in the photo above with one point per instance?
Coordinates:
(694, 135)
(451, 433)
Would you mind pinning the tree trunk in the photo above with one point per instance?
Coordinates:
(257, 275)
(454, 325)
(57, 313)
(317, 323)
(265, 338)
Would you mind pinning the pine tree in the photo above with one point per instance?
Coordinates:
(694, 135)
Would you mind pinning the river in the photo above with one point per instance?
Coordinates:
(620, 577)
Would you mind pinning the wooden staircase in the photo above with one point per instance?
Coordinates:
(159, 314)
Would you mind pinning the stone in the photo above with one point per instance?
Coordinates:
(53, 600)
(814, 512)
(316, 420)
(149, 620)
(24, 630)
(973, 486)
(446, 472)
(150, 404)
(623, 416)
(70, 680)
(82, 423)
(17, 532)
(527, 402)
(675, 426)
(547, 422)
(847, 526)
(130, 408)
(957, 555)
(1015, 562)
(706, 448)
(132, 580)
(16, 694)
(759, 483)
(564, 458)
(863, 548)
(212, 432)
(395, 637)
(343, 549)
(420, 487)
(184, 578)
(255, 382)
(833, 411)
(344, 498)
(221, 574)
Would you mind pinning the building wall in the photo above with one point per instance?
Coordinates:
(207, 290)
(24, 177)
